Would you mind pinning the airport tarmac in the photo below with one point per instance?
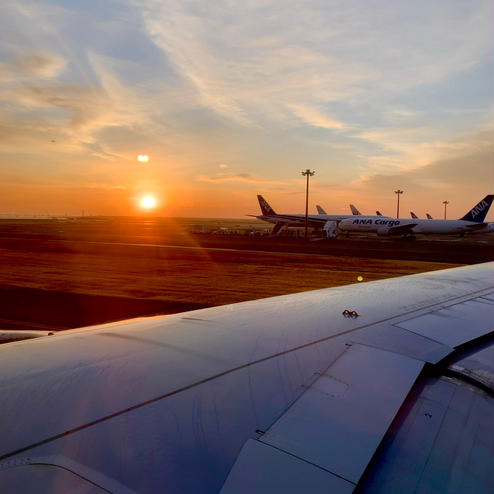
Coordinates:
(240, 234)
(61, 274)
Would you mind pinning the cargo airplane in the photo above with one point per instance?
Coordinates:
(472, 222)
(415, 217)
(353, 209)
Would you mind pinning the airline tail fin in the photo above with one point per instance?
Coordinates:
(429, 217)
(266, 209)
(320, 210)
(355, 211)
(479, 211)
(378, 213)
(413, 215)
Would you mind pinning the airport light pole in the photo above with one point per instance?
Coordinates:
(445, 204)
(308, 173)
(398, 193)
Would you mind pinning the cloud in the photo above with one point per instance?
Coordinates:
(254, 60)
(315, 117)
(32, 65)
(82, 104)
(254, 68)
(236, 177)
(71, 113)
(465, 163)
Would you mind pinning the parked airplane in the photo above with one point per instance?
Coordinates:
(327, 222)
(353, 209)
(414, 216)
(373, 387)
(378, 213)
(472, 222)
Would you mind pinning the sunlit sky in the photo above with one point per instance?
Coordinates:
(230, 99)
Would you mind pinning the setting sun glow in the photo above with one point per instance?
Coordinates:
(148, 202)
(142, 158)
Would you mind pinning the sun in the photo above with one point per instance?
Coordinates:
(148, 202)
(142, 158)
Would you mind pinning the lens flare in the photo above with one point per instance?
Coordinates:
(142, 158)
(148, 202)
(360, 278)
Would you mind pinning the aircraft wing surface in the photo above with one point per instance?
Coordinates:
(402, 229)
(375, 387)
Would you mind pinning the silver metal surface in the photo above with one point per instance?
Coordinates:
(389, 337)
(455, 324)
(340, 420)
(262, 469)
(202, 428)
(477, 365)
(36, 479)
(443, 444)
(172, 400)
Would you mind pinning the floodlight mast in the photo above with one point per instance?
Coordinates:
(445, 204)
(308, 173)
(398, 193)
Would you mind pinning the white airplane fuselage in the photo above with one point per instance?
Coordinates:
(386, 225)
(313, 220)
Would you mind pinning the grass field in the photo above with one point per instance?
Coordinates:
(185, 275)
(68, 274)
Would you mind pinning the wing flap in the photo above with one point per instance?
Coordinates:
(456, 324)
(338, 423)
(264, 470)
(402, 229)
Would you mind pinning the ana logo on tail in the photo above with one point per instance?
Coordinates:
(479, 211)
(479, 208)
(266, 209)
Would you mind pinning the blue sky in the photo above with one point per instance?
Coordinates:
(230, 100)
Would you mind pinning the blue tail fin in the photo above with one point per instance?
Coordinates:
(266, 209)
(479, 212)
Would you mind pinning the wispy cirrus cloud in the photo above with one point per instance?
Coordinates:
(237, 177)
(28, 65)
(255, 59)
(242, 61)
(464, 164)
(315, 117)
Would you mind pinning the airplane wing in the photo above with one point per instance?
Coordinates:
(376, 387)
(478, 226)
(402, 229)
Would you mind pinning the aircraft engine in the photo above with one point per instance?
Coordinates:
(331, 229)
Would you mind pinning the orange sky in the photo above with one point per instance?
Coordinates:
(236, 101)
